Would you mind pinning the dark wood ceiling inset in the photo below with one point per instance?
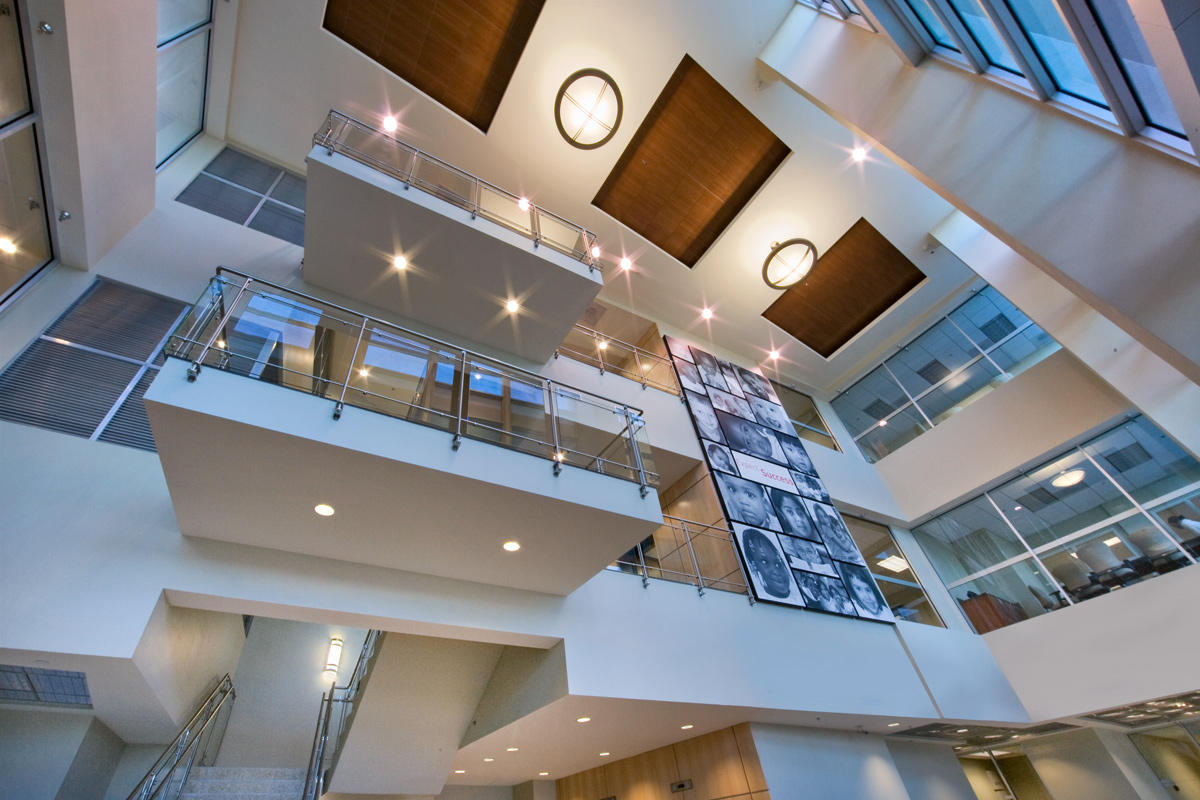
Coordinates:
(697, 159)
(857, 279)
(461, 53)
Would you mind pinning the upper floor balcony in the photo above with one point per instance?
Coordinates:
(496, 455)
(459, 254)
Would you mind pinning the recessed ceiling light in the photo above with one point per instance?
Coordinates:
(489, 759)
(773, 355)
(893, 724)
(603, 345)
(604, 754)
(686, 727)
(706, 313)
(220, 343)
(389, 124)
(364, 372)
(523, 204)
(1017, 508)
(1116, 540)
(543, 773)
(883, 423)
(512, 547)
(400, 262)
(459, 771)
(7, 246)
(595, 254)
(894, 563)
(626, 264)
(961, 730)
(512, 749)
(512, 306)
(859, 153)
(1068, 478)
(584, 719)
(324, 509)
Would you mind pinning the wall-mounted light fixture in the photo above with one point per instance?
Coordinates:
(788, 262)
(588, 109)
(334, 658)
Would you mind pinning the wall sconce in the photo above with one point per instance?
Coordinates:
(334, 658)
(788, 262)
(588, 109)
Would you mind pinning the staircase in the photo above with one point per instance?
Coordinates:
(243, 783)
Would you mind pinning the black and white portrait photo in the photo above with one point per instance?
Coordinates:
(730, 404)
(731, 378)
(756, 385)
(746, 502)
(810, 487)
(834, 533)
(767, 566)
(751, 438)
(706, 418)
(864, 593)
(710, 372)
(771, 415)
(719, 457)
(689, 376)
(827, 594)
(797, 456)
(793, 515)
(806, 555)
(678, 348)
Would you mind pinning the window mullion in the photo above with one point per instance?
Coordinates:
(915, 26)
(1020, 47)
(838, 7)
(954, 25)
(1102, 62)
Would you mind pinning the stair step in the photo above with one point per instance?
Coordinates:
(243, 783)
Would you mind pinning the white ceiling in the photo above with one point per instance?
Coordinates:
(288, 73)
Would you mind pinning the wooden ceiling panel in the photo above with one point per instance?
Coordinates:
(861, 276)
(693, 164)
(462, 54)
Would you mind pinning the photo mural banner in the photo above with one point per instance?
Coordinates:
(793, 542)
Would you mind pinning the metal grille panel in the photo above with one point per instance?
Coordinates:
(130, 425)
(118, 320)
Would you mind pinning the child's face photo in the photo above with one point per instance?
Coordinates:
(720, 458)
(747, 501)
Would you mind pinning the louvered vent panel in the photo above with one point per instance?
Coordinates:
(879, 409)
(130, 426)
(1127, 457)
(118, 319)
(62, 388)
(997, 328)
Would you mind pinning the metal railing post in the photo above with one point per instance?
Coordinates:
(535, 225)
(462, 394)
(341, 403)
(645, 572)
(558, 453)
(476, 192)
(695, 564)
(194, 369)
(641, 372)
(600, 354)
(632, 422)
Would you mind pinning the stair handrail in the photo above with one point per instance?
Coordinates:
(158, 779)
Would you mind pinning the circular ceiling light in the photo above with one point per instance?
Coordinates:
(588, 109)
(324, 509)
(1068, 478)
(788, 262)
(512, 547)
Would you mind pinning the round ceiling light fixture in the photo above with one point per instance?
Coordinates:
(788, 262)
(588, 109)
(1068, 478)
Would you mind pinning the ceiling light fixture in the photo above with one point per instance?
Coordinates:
(706, 313)
(489, 759)
(543, 773)
(1068, 478)
(588, 109)
(595, 251)
(390, 124)
(859, 154)
(626, 264)
(512, 306)
(460, 772)
(334, 658)
(523, 204)
(7, 246)
(893, 724)
(364, 372)
(1113, 542)
(603, 345)
(324, 509)
(584, 719)
(512, 547)
(788, 262)
(961, 730)
(686, 727)
(883, 423)
(512, 749)
(774, 355)
(400, 262)
(894, 563)
(605, 754)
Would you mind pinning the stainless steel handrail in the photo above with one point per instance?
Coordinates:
(338, 123)
(640, 354)
(156, 783)
(467, 362)
(696, 577)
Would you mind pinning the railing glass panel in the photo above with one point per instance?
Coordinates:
(612, 355)
(263, 331)
(688, 552)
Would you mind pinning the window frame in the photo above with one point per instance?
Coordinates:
(204, 28)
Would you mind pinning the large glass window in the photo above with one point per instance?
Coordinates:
(978, 346)
(14, 83)
(1045, 29)
(1117, 510)
(933, 26)
(1173, 753)
(184, 29)
(895, 578)
(1137, 65)
(805, 417)
(984, 33)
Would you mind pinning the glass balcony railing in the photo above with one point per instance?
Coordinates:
(688, 552)
(254, 328)
(612, 355)
(387, 154)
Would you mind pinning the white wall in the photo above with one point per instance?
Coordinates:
(827, 765)
(929, 771)
(1076, 766)
(37, 749)
(93, 766)
(136, 761)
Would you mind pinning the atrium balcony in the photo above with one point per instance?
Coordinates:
(431, 457)
(468, 248)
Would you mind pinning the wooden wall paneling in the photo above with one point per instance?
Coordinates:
(860, 277)
(587, 785)
(713, 763)
(760, 796)
(643, 777)
(750, 762)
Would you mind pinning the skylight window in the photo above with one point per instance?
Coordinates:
(984, 34)
(1045, 29)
